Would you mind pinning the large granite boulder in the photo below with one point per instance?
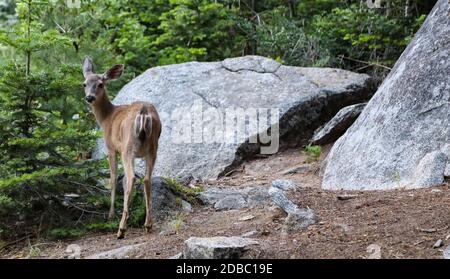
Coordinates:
(201, 137)
(401, 139)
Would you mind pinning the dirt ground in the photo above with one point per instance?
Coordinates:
(398, 224)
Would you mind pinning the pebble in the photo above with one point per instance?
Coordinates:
(438, 244)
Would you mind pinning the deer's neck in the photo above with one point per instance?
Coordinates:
(102, 109)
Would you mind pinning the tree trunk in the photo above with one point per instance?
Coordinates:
(292, 8)
(28, 52)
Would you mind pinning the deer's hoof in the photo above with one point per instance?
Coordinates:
(121, 234)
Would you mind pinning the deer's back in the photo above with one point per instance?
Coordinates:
(120, 129)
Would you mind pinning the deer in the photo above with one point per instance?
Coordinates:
(131, 130)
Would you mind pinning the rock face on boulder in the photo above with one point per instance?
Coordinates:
(401, 139)
(337, 126)
(208, 110)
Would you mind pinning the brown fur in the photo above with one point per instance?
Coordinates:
(123, 136)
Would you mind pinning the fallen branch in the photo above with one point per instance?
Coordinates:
(365, 62)
(15, 241)
(432, 230)
(235, 170)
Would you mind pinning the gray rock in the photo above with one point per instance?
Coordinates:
(446, 253)
(250, 234)
(305, 98)
(74, 251)
(164, 200)
(185, 206)
(338, 125)
(177, 257)
(402, 137)
(282, 201)
(256, 196)
(234, 198)
(230, 202)
(438, 244)
(217, 247)
(119, 253)
(297, 219)
(284, 184)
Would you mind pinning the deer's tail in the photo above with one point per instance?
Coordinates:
(143, 124)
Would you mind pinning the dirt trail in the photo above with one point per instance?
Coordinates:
(403, 223)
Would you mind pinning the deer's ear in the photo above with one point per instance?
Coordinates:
(88, 67)
(114, 73)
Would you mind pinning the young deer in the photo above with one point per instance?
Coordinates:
(131, 130)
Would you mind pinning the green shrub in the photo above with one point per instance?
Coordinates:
(313, 152)
(187, 193)
(65, 233)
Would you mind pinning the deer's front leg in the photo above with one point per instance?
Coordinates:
(128, 162)
(112, 158)
(148, 194)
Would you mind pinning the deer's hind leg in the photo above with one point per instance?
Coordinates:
(150, 162)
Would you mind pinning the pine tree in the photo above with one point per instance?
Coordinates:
(40, 145)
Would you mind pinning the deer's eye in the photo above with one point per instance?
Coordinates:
(100, 85)
(84, 84)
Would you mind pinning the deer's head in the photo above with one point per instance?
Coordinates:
(95, 84)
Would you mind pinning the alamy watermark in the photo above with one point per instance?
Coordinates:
(199, 125)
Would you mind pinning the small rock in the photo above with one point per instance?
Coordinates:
(119, 253)
(177, 256)
(337, 126)
(438, 244)
(74, 250)
(374, 251)
(436, 191)
(246, 218)
(185, 206)
(217, 247)
(250, 234)
(284, 184)
(346, 228)
(299, 220)
(446, 253)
